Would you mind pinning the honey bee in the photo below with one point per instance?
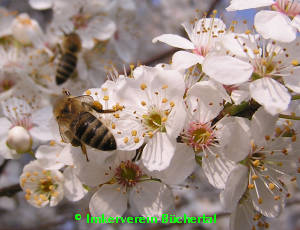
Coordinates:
(79, 125)
(71, 46)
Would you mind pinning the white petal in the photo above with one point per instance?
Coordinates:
(293, 81)
(181, 166)
(274, 25)
(242, 217)
(238, 96)
(158, 152)
(175, 41)
(48, 156)
(206, 108)
(182, 60)
(262, 125)
(235, 187)
(271, 94)
(5, 126)
(151, 198)
(246, 4)
(234, 138)
(73, 188)
(108, 200)
(296, 22)
(227, 70)
(217, 169)
(41, 4)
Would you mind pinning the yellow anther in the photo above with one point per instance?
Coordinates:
(136, 140)
(260, 200)
(27, 196)
(51, 187)
(164, 100)
(295, 62)
(215, 12)
(28, 174)
(104, 89)
(271, 186)
(256, 163)
(24, 21)
(256, 51)
(164, 87)
(172, 104)
(150, 134)
(36, 197)
(248, 32)
(285, 151)
(143, 86)
(167, 112)
(45, 172)
(125, 140)
(276, 197)
(250, 186)
(88, 92)
(106, 98)
(143, 103)
(267, 138)
(43, 197)
(116, 115)
(254, 177)
(113, 125)
(164, 119)
(54, 194)
(133, 133)
(35, 173)
(52, 143)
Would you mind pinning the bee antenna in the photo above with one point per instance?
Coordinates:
(66, 92)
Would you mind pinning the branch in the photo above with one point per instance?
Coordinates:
(10, 190)
(2, 167)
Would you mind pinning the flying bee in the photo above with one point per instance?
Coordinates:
(79, 125)
(71, 46)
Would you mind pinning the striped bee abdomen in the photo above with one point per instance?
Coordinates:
(94, 133)
(66, 67)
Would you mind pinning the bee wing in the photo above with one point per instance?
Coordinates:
(86, 99)
(65, 133)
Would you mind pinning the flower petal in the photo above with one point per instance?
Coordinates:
(216, 169)
(151, 198)
(227, 70)
(175, 41)
(235, 187)
(182, 60)
(271, 94)
(245, 4)
(274, 25)
(181, 166)
(108, 200)
(73, 188)
(41, 4)
(158, 152)
(292, 81)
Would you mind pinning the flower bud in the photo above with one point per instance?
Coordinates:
(19, 139)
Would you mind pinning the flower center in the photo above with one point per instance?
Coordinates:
(289, 7)
(128, 174)
(80, 20)
(199, 136)
(155, 120)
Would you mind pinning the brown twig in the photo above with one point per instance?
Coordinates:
(2, 167)
(10, 190)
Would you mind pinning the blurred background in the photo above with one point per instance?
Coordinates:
(193, 198)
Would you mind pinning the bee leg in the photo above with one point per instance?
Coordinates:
(99, 110)
(84, 151)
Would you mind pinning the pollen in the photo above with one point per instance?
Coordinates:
(52, 143)
(136, 140)
(143, 86)
(164, 100)
(125, 140)
(88, 92)
(271, 186)
(133, 133)
(164, 87)
(256, 163)
(295, 62)
(104, 89)
(254, 177)
(260, 200)
(248, 32)
(116, 115)
(164, 119)
(106, 98)
(113, 125)
(172, 104)
(143, 103)
(250, 186)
